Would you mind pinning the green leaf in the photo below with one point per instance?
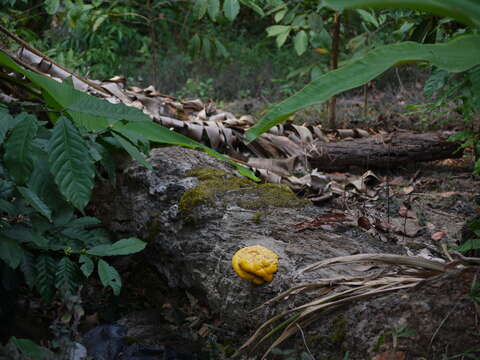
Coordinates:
(51, 6)
(457, 55)
(96, 107)
(87, 266)
(10, 252)
(157, 133)
(31, 350)
(9, 208)
(18, 148)
(133, 151)
(251, 4)
(121, 247)
(369, 18)
(275, 30)
(300, 41)
(28, 268)
(109, 276)
(213, 9)
(221, 50)
(66, 277)
(71, 163)
(280, 15)
(466, 11)
(5, 119)
(435, 82)
(280, 40)
(35, 202)
(45, 280)
(84, 222)
(199, 8)
(231, 9)
(6, 188)
(99, 21)
(471, 244)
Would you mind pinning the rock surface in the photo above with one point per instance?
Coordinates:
(192, 239)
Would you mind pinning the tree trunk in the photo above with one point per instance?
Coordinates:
(334, 64)
(383, 151)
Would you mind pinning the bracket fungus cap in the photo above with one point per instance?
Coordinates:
(255, 263)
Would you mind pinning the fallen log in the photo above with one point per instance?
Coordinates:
(383, 151)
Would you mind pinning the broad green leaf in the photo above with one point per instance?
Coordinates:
(195, 44)
(231, 9)
(280, 15)
(5, 119)
(8, 207)
(133, 151)
(28, 268)
(66, 276)
(207, 48)
(300, 41)
(213, 9)
(280, 40)
(457, 55)
(199, 8)
(31, 350)
(84, 222)
(87, 266)
(10, 252)
(51, 6)
(159, 134)
(221, 50)
(18, 148)
(251, 4)
(35, 202)
(96, 107)
(369, 18)
(275, 30)
(70, 163)
(46, 267)
(6, 188)
(109, 276)
(121, 247)
(466, 11)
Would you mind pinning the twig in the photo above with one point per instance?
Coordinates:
(305, 341)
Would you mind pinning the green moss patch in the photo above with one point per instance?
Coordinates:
(214, 182)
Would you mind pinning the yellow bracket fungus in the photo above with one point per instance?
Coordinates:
(255, 263)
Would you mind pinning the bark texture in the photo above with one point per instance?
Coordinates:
(383, 151)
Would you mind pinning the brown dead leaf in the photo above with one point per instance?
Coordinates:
(438, 235)
(320, 220)
(363, 222)
(405, 212)
(408, 189)
(447, 194)
(204, 330)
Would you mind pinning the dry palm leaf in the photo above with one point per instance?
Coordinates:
(359, 288)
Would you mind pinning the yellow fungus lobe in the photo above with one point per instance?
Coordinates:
(255, 263)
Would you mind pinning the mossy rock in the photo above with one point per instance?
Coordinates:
(215, 183)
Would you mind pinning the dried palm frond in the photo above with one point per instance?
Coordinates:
(357, 288)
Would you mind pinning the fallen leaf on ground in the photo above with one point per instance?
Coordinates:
(405, 212)
(438, 235)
